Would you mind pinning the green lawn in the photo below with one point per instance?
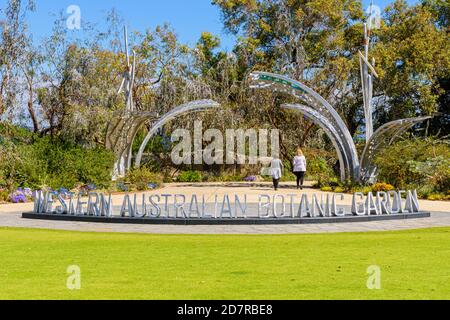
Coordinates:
(414, 264)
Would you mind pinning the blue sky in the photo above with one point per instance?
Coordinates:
(189, 18)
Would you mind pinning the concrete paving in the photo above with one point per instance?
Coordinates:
(10, 215)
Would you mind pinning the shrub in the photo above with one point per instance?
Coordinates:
(433, 171)
(70, 166)
(15, 134)
(4, 195)
(425, 191)
(363, 189)
(44, 162)
(229, 178)
(190, 176)
(340, 190)
(143, 179)
(334, 182)
(319, 168)
(416, 162)
(94, 168)
(436, 197)
(326, 189)
(382, 187)
(366, 190)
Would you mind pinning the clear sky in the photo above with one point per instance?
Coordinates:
(188, 17)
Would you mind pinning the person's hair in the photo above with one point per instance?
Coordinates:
(300, 152)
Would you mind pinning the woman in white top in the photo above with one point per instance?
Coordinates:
(299, 165)
(276, 168)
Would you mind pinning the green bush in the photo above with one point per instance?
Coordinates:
(436, 197)
(68, 165)
(46, 162)
(230, 178)
(4, 195)
(433, 171)
(190, 176)
(15, 134)
(416, 163)
(143, 179)
(425, 191)
(19, 166)
(319, 169)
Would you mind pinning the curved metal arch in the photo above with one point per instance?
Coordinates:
(262, 80)
(328, 127)
(194, 106)
(383, 137)
(136, 122)
(120, 135)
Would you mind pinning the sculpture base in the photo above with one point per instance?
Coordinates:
(225, 221)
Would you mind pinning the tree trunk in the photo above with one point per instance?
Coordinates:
(30, 107)
(2, 107)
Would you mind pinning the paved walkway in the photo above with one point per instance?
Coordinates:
(10, 215)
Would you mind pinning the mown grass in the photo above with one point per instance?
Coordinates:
(414, 265)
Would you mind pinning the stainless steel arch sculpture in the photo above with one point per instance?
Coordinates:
(194, 106)
(121, 132)
(330, 130)
(324, 114)
(120, 135)
(382, 138)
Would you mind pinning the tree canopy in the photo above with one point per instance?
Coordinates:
(66, 87)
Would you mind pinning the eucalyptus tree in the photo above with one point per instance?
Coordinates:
(78, 85)
(412, 53)
(13, 43)
(162, 61)
(314, 42)
(29, 70)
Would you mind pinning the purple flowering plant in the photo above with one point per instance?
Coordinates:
(250, 179)
(88, 188)
(18, 196)
(152, 186)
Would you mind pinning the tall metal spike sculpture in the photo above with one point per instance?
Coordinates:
(124, 162)
(128, 75)
(367, 74)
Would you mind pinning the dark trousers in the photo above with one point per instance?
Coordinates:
(276, 183)
(300, 178)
